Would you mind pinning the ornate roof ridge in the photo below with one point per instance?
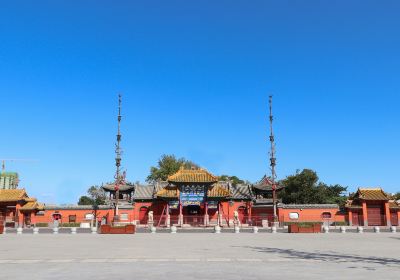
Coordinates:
(370, 189)
(192, 176)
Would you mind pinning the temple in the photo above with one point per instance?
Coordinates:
(197, 198)
(193, 197)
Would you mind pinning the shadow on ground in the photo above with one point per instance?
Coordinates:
(331, 257)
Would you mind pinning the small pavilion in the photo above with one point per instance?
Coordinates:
(372, 207)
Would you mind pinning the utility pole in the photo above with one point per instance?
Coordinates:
(118, 158)
(273, 160)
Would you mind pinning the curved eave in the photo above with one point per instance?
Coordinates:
(124, 188)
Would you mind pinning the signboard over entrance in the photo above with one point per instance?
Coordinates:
(192, 195)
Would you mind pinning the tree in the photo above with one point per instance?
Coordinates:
(233, 179)
(85, 200)
(167, 166)
(304, 188)
(396, 196)
(96, 196)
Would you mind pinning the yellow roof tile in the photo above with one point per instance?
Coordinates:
(32, 205)
(168, 192)
(13, 195)
(372, 194)
(192, 176)
(394, 205)
(219, 191)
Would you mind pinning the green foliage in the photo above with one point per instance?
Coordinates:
(304, 188)
(70, 225)
(340, 224)
(233, 179)
(41, 225)
(305, 224)
(85, 200)
(167, 166)
(96, 196)
(396, 196)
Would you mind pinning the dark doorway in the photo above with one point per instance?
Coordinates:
(193, 210)
(193, 216)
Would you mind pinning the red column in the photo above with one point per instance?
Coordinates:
(387, 215)
(219, 214)
(180, 214)
(250, 211)
(365, 213)
(19, 215)
(33, 218)
(398, 217)
(168, 216)
(350, 214)
(206, 214)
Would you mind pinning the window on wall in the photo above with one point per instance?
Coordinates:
(294, 216)
(72, 218)
(89, 217)
(326, 215)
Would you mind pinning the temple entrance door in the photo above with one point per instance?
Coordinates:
(242, 214)
(143, 215)
(375, 215)
(193, 216)
(356, 219)
(394, 219)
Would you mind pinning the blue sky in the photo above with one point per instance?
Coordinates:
(195, 78)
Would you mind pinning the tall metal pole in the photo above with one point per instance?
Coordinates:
(273, 159)
(118, 158)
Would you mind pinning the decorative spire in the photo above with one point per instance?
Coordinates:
(273, 160)
(272, 140)
(119, 179)
(118, 151)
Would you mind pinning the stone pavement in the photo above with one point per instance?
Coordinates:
(201, 256)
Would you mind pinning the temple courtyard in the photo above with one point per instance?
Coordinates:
(201, 256)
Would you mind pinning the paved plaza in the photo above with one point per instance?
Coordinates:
(201, 256)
